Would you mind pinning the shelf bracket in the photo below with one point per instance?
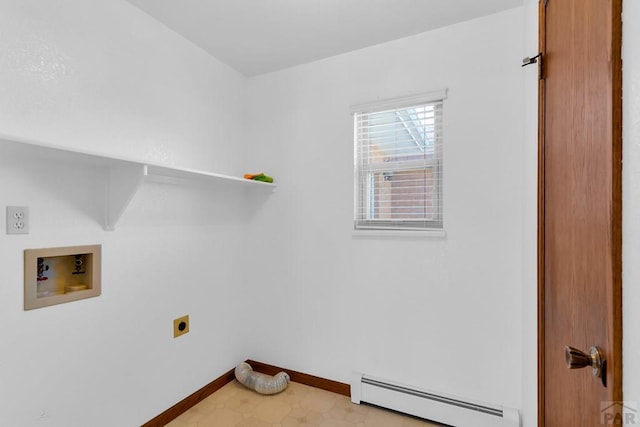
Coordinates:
(123, 183)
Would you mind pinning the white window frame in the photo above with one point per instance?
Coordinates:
(389, 226)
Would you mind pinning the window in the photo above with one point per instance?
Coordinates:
(398, 163)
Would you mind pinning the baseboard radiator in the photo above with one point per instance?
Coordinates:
(445, 409)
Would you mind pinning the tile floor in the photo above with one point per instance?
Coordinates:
(298, 406)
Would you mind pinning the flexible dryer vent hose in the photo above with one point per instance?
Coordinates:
(262, 383)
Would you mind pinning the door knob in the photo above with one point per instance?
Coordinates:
(577, 359)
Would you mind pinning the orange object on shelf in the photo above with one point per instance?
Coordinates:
(259, 177)
(252, 175)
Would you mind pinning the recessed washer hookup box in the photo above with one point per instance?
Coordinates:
(58, 275)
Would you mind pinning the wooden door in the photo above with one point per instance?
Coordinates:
(579, 207)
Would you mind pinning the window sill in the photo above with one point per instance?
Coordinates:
(420, 234)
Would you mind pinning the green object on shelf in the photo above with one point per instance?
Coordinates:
(262, 177)
(258, 177)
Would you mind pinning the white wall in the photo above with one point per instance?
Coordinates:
(443, 314)
(530, 222)
(103, 76)
(106, 77)
(631, 200)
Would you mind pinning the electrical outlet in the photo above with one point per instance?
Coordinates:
(180, 326)
(17, 220)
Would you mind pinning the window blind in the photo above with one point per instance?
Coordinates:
(398, 166)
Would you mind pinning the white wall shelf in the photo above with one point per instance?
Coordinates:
(125, 176)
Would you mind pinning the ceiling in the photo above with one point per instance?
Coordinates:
(259, 36)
